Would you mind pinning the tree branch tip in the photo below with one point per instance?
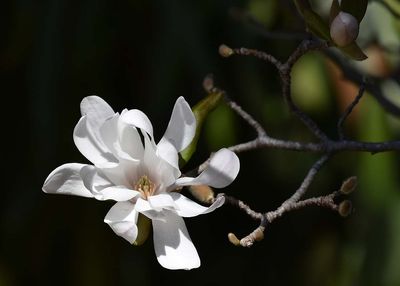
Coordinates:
(225, 51)
(208, 83)
(349, 185)
(233, 239)
(345, 208)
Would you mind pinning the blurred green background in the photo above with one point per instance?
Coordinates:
(144, 54)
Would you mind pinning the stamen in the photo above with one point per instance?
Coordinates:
(145, 187)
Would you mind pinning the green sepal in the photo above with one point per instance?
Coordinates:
(316, 24)
(357, 8)
(353, 51)
(335, 10)
(144, 227)
(200, 111)
(302, 5)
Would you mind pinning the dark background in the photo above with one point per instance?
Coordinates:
(144, 54)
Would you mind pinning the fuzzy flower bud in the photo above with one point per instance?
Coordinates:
(225, 51)
(349, 185)
(345, 208)
(344, 29)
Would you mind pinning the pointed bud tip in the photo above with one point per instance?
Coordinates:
(225, 51)
(349, 185)
(345, 208)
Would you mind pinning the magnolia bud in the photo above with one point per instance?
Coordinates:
(345, 208)
(233, 239)
(203, 193)
(349, 185)
(344, 29)
(225, 51)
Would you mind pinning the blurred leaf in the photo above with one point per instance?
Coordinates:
(353, 51)
(144, 228)
(200, 111)
(392, 273)
(357, 8)
(263, 11)
(220, 128)
(378, 173)
(310, 88)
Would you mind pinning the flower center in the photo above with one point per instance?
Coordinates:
(145, 187)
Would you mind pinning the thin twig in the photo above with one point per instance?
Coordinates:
(307, 180)
(248, 118)
(323, 201)
(372, 86)
(348, 110)
(258, 54)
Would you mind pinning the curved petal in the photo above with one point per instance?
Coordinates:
(125, 172)
(180, 132)
(122, 218)
(130, 141)
(161, 201)
(95, 111)
(159, 171)
(90, 145)
(144, 207)
(122, 139)
(188, 208)
(66, 180)
(172, 244)
(220, 172)
(102, 188)
(138, 119)
(116, 193)
(96, 107)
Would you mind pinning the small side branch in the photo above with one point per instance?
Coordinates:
(248, 118)
(348, 110)
(307, 180)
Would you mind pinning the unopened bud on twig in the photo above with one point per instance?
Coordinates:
(345, 208)
(225, 51)
(344, 29)
(203, 193)
(349, 185)
(233, 239)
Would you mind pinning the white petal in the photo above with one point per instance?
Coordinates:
(161, 201)
(116, 193)
(220, 172)
(181, 127)
(89, 144)
(102, 188)
(158, 170)
(122, 218)
(138, 119)
(188, 208)
(145, 208)
(172, 244)
(96, 108)
(130, 141)
(125, 173)
(87, 132)
(66, 180)
(168, 153)
(180, 132)
(94, 180)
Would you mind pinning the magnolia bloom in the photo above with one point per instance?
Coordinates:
(141, 176)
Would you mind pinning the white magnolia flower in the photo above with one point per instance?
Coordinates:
(143, 177)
